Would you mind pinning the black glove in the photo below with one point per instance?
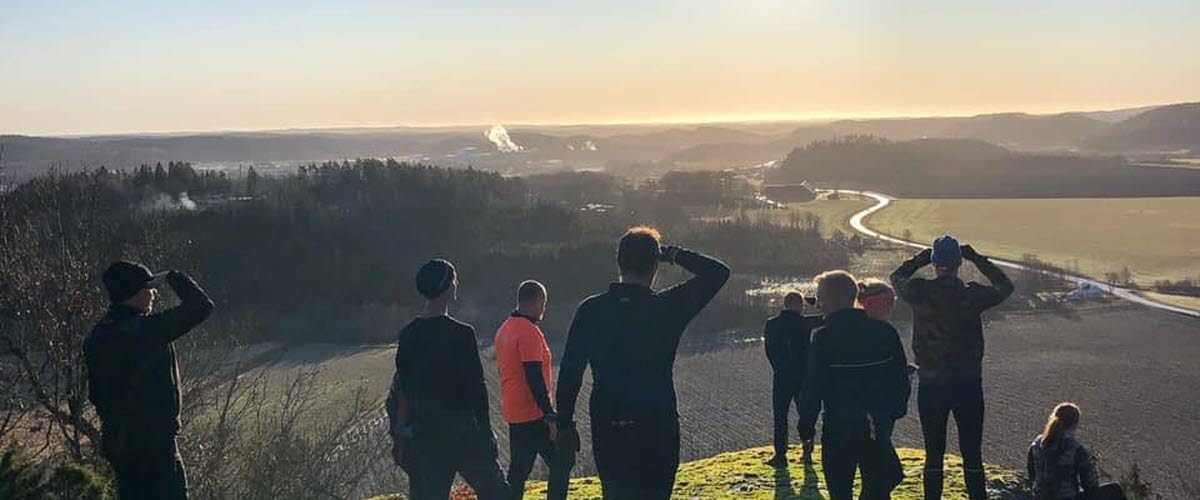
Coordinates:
(924, 257)
(666, 253)
(970, 254)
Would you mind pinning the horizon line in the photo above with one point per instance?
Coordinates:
(814, 118)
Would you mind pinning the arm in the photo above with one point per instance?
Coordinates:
(1085, 467)
(1031, 464)
(537, 387)
(901, 278)
(776, 352)
(474, 371)
(898, 373)
(570, 372)
(989, 296)
(810, 392)
(397, 408)
(689, 297)
(194, 308)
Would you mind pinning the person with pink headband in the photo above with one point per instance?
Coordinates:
(877, 298)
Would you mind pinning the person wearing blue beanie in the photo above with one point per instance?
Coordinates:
(947, 342)
(947, 253)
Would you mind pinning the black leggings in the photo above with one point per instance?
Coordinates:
(526, 442)
(784, 394)
(936, 402)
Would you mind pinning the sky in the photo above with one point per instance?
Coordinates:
(76, 67)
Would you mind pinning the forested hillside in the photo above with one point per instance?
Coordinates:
(972, 168)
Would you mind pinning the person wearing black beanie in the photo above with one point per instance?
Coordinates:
(438, 409)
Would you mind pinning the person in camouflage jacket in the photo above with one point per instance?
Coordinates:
(947, 342)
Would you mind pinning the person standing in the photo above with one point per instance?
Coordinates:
(786, 337)
(133, 378)
(856, 382)
(629, 336)
(437, 407)
(947, 342)
(523, 357)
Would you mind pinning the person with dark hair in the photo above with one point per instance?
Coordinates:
(785, 338)
(856, 381)
(947, 342)
(629, 336)
(133, 378)
(437, 407)
(524, 361)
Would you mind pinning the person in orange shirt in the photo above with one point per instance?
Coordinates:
(523, 358)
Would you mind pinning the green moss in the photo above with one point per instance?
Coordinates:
(742, 474)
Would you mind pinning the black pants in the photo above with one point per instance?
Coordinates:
(526, 442)
(430, 476)
(964, 400)
(636, 459)
(149, 471)
(785, 392)
(847, 447)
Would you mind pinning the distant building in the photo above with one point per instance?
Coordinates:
(789, 193)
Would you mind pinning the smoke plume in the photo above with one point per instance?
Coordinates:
(499, 136)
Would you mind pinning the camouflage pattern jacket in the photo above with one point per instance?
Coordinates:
(1062, 469)
(947, 338)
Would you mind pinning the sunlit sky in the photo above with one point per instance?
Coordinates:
(74, 67)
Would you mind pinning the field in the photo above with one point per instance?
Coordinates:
(1130, 368)
(834, 214)
(1155, 238)
(742, 474)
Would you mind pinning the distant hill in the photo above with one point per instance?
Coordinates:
(727, 154)
(742, 474)
(1167, 128)
(974, 168)
(629, 149)
(1017, 130)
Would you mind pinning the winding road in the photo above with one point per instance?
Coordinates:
(882, 201)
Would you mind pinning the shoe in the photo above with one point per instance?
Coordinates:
(777, 461)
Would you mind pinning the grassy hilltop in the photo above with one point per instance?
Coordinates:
(742, 474)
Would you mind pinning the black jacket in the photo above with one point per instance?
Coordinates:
(629, 336)
(439, 370)
(133, 376)
(786, 338)
(947, 338)
(856, 368)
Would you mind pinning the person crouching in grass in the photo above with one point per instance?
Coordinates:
(1061, 467)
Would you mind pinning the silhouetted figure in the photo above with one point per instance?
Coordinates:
(133, 379)
(629, 335)
(947, 343)
(786, 337)
(856, 381)
(1060, 467)
(438, 403)
(523, 357)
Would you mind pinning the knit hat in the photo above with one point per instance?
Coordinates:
(947, 252)
(435, 277)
